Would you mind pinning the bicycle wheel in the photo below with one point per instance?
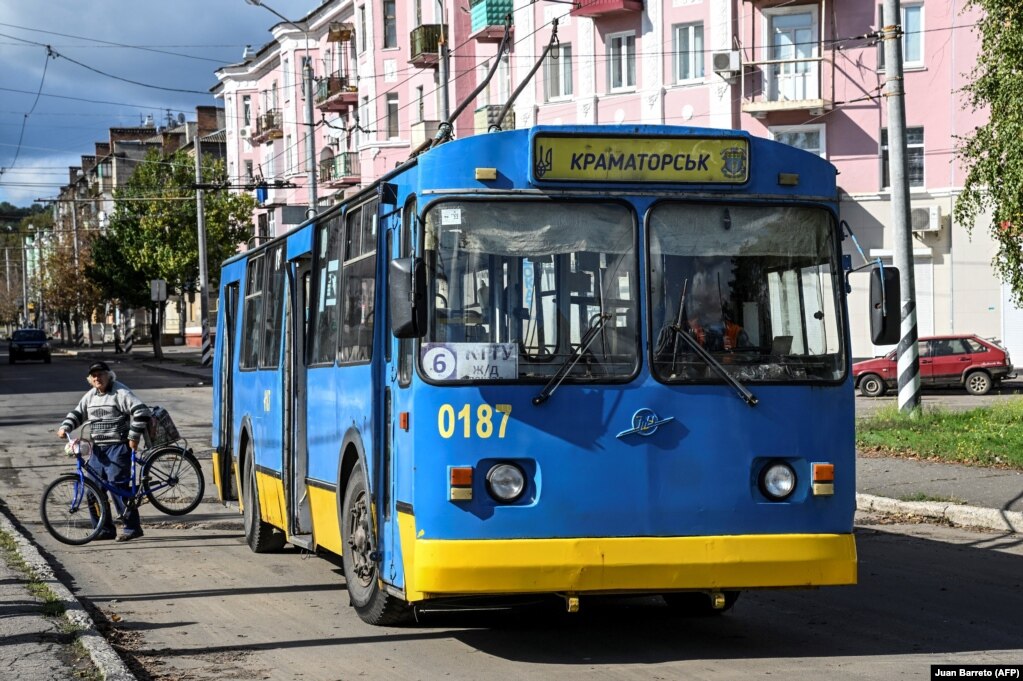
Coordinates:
(65, 510)
(173, 481)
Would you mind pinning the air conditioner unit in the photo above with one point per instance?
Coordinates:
(925, 219)
(245, 133)
(726, 63)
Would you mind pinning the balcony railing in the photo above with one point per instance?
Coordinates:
(424, 43)
(488, 18)
(336, 93)
(800, 84)
(342, 170)
(600, 8)
(268, 126)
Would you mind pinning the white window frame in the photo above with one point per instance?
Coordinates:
(767, 51)
(393, 115)
(559, 61)
(694, 59)
(917, 63)
(286, 76)
(883, 148)
(776, 130)
(624, 56)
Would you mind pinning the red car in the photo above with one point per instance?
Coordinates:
(962, 360)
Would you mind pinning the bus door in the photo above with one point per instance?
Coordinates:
(224, 471)
(296, 467)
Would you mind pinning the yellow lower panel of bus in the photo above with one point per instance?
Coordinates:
(323, 506)
(271, 499)
(622, 564)
(216, 475)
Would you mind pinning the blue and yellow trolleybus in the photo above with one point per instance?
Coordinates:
(561, 360)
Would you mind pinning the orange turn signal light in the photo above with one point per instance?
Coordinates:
(824, 472)
(461, 476)
(403, 420)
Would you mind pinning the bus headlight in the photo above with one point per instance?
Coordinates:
(777, 480)
(506, 482)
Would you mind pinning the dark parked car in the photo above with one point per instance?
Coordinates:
(962, 360)
(29, 344)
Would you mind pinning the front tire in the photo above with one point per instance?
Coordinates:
(872, 385)
(261, 536)
(358, 555)
(978, 383)
(173, 481)
(65, 510)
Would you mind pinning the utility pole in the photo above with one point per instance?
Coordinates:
(204, 300)
(442, 48)
(78, 321)
(908, 354)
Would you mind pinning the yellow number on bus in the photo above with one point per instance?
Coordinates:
(447, 420)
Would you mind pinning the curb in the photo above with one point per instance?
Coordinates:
(956, 514)
(109, 664)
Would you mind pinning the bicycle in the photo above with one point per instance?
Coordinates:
(75, 507)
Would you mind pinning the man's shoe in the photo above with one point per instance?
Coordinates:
(112, 534)
(128, 536)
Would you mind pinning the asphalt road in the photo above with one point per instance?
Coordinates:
(956, 399)
(190, 601)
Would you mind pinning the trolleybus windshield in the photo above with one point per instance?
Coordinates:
(516, 285)
(755, 285)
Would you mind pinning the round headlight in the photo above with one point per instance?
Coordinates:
(506, 482)
(777, 481)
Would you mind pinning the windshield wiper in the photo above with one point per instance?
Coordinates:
(597, 322)
(718, 368)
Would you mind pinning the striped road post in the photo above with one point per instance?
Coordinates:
(79, 334)
(130, 340)
(207, 346)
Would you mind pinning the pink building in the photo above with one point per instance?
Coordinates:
(806, 73)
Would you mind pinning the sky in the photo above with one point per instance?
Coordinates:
(111, 63)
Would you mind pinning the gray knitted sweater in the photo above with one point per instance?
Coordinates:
(114, 416)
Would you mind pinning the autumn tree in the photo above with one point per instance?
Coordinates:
(152, 231)
(993, 152)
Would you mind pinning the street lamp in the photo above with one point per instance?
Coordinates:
(307, 77)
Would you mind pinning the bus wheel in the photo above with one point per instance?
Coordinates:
(698, 603)
(359, 555)
(259, 535)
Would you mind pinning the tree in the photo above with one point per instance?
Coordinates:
(993, 152)
(152, 231)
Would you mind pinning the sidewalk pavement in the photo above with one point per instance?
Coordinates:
(970, 496)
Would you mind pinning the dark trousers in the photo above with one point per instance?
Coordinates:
(112, 463)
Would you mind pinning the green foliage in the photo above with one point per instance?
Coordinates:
(986, 436)
(993, 152)
(152, 233)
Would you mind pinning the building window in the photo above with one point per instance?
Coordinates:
(289, 155)
(392, 115)
(286, 74)
(559, 72)
(390, 24)
(246, 110)
(362, 29)
(912, 35)
(806, 137)
(621, 61)
(248, 172)
(688, 52)
(914, 157)
(420, 104)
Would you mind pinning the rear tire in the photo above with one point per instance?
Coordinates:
(872, 385)
(65, 510)
(178, 479)
(978, 383)
(358, 549)
(698, 603)
(262, 537)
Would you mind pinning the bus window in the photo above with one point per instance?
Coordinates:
(359, 279)
(326, 273)
(405, 345)
(273, 307)
(754, 285)
(524, 281)
(252, 313)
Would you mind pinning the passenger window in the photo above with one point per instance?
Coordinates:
(252, 314)
(359, 280)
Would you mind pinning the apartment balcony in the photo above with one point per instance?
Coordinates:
(423, 131)
(336, 93)
(424, 44)
(268, 127)
(488, 19)
(341, 171)
(602, 8)
(485, 116)
(801, 84)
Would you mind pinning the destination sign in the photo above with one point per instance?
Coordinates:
(701, 160)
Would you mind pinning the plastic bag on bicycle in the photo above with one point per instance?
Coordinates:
(161, 429)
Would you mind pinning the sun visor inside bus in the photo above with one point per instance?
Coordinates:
(687, 229)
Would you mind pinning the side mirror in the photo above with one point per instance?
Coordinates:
(406, 280)
(885, 301)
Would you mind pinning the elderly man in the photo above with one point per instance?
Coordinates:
(117, 419)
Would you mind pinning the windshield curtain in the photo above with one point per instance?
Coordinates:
(515, 285)
(756, 286)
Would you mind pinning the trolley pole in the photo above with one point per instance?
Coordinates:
(204, 300)
(908, 355)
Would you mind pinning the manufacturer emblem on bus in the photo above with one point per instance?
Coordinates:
(735, 162)
(645, 422)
